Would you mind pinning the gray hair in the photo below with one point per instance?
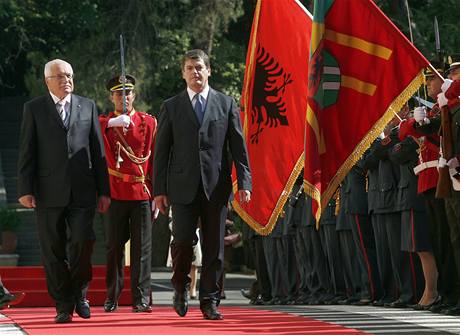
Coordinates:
(50, 64)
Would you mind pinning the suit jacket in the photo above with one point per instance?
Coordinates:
(55, 162)
(354, 199)
(186, 152)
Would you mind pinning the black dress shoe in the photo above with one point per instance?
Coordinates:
(397, 304)
(82, 309)
(110, 306)
(142, 308)
(10, 299)
(439, 308)
(210, 311)
(247, 294)
(63, 317)
(180, 303)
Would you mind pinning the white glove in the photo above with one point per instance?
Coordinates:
(453, 163)
(419, 114)
(445, 86)
(155, 210)
(442, 162)
(119, 121)
(442, 100)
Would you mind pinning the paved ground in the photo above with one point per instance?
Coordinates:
(372, 320)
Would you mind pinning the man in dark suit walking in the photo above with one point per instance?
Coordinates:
(199, 137)
(62, 173)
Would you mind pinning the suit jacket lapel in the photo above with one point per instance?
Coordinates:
(186, 104)
(209, 108)
(74, 109)
(54, 114)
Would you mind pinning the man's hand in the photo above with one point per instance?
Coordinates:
(103, 204)
(442, 100)
(244, 195)
(453, 163)
(162, 203)
(155, 210)
(119, 121)
(27, 201)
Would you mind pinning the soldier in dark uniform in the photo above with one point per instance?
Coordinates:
(128, 140)
(290, 256)
(296, 216)
(414, 223)
(387, 226)
(450, 99)
(318, 276)
(260, 291)
(347, 251)
(355, 205)
(331, 246)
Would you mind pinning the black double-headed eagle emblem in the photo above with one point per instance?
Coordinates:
(268, 105)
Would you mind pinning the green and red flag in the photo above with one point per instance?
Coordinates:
(362, 71)
(274, 101)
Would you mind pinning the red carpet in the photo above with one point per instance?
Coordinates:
(164, 321)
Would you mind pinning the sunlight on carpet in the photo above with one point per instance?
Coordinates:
(164, 321)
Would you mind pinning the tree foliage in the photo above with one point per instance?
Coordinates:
(157, 33)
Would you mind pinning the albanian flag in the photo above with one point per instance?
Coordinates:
(274, 101)
(362, 71)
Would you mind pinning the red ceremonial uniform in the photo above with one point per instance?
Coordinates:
(130, 179)
(429, 152)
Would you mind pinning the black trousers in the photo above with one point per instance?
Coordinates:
(401, 267)
(263, 281)
(66, 243)
(448, 281)
(318, 273)
(212, 215)
(363, 236)
(333, 258)
(125, 220)
(303, 264)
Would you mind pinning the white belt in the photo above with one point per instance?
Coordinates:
(425, 165)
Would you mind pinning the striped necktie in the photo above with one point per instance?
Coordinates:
(63, 113)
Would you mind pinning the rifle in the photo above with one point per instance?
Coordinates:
(444, 187)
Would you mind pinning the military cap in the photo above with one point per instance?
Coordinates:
(439, 66)
(116, 83)
(453, 61)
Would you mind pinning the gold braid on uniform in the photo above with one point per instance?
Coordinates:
(132, 157)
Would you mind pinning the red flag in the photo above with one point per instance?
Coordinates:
(362, 71)
(274, 101)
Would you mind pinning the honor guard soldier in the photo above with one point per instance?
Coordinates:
(129, 137)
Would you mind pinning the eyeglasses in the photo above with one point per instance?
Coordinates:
(63, 76)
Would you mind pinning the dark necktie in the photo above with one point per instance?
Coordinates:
(63, 113)
(199, 110)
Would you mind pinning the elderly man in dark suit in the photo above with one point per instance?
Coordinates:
(62, 173)
(199, 137)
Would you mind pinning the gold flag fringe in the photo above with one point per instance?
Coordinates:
(267, 229)
(363, 145)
